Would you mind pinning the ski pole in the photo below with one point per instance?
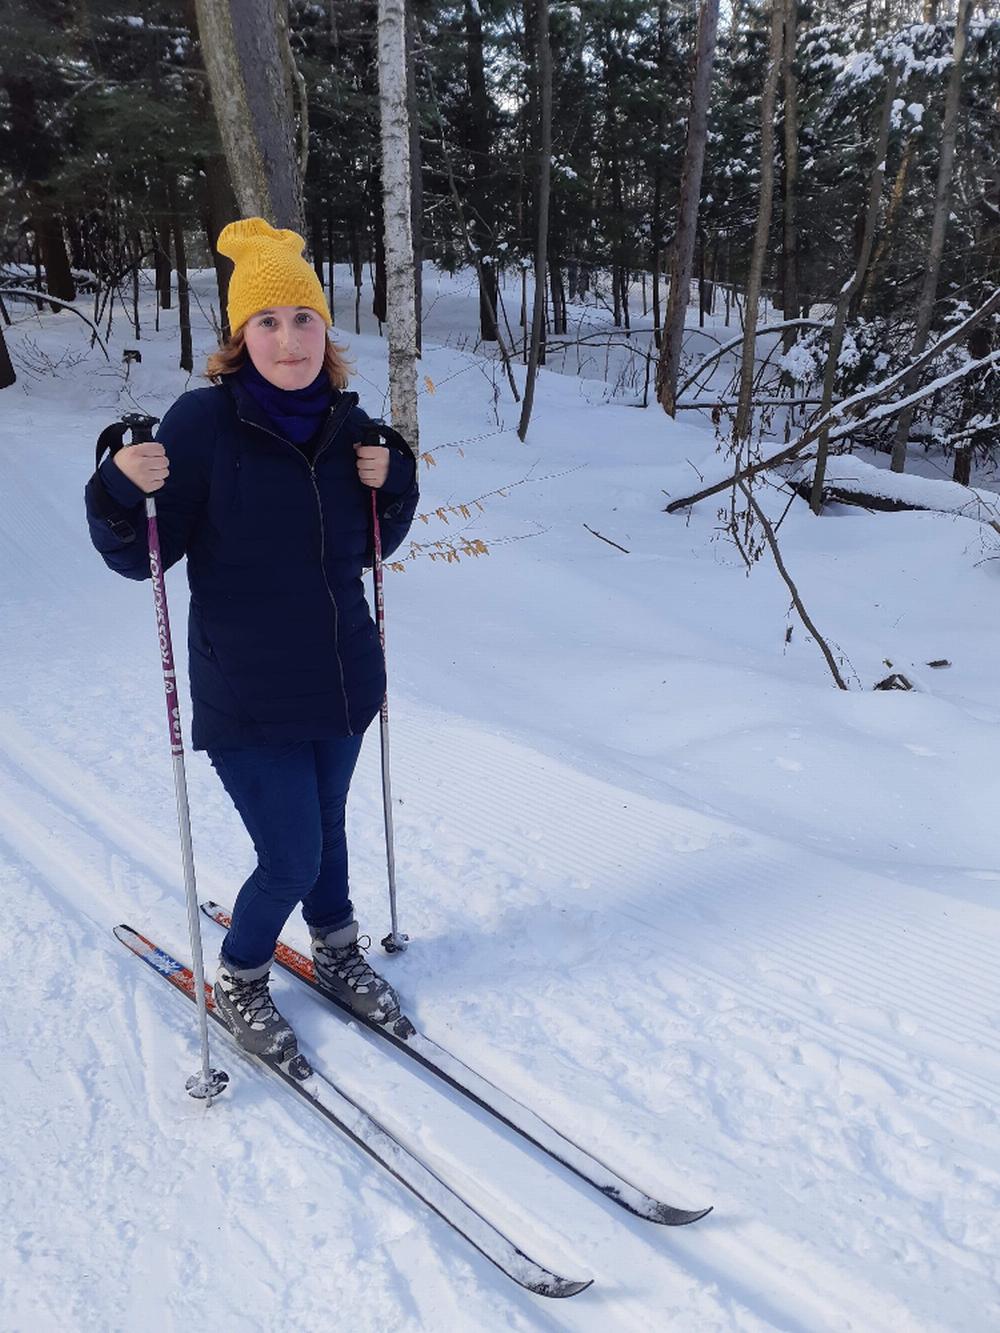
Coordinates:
(209, 1082)
(395, 941)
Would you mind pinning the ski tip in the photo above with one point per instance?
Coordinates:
(560, 1287)
(128, 936)
(679, 1217)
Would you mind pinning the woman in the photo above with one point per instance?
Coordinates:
(262, 482)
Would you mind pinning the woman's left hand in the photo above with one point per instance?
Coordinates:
(373, 464)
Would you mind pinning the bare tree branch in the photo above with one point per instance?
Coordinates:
(43, 298)
(772, 542)
(735, 342)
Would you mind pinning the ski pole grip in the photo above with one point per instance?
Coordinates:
(139, 425)
(112, 438)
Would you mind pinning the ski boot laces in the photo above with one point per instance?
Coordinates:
(350, 963)
(253, 1000)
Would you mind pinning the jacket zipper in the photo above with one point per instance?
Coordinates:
(330, 433)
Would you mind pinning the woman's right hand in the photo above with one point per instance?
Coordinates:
(145, 465)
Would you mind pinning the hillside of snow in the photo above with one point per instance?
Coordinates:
(734, 930)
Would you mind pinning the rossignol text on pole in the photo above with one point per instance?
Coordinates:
(209, 1082)
(395, 941)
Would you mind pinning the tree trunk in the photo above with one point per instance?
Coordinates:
(613, 167)
(664, 57)
(379, 294)
(357, 271)
(558, 297)
(850, 289)
(164, 266)
(790, 241)
(244, 45)
(136, 255)
(864, 301)
(219, 209)
(478, 145)
(59, 282)
(316, 239)
(397, 198)
(331, 283)
(544, 79)
(702, 293)
(416, 172)
(7, 374)
(668, 369)
(183, 291)
(942, 207)
(741, 426)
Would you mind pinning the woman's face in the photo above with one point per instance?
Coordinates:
(286, 343)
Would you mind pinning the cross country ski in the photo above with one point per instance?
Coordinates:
(328, 1100)
(402, 1033)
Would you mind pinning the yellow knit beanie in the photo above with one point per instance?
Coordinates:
(268, 271)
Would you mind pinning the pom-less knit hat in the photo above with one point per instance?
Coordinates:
(268, 271)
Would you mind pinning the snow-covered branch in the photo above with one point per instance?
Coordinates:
(849, 415)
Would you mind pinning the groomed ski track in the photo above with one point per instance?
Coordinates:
(761, 1012)
(66, 860)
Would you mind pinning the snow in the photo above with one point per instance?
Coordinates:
(850, 353)
(733, 929)
(947, 497)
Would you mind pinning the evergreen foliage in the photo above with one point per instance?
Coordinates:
(107, 142)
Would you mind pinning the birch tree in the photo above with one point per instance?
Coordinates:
(253, 81)
(397, 199)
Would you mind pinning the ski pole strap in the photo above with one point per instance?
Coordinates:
(112, 438)
(110, 441)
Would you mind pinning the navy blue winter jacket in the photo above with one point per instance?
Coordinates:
(281, 641)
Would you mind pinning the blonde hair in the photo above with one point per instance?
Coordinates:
(233, 354)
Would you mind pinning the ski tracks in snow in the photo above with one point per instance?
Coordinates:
(723, 1016)
(122, 1196)
(799, 1012)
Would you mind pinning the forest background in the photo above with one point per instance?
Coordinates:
(847, 170)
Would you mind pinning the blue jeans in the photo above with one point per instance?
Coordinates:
(292, 800)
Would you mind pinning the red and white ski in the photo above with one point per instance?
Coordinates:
(340, 1111)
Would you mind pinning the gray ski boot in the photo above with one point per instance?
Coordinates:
(244, 1001)
(343, 972)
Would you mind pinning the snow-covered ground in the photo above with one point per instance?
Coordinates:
(734, 929)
